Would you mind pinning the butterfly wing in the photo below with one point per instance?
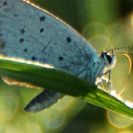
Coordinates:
(28, 32)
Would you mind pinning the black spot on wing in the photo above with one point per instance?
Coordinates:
(41, 30)
(5, 3)
(42, 18)
(21, 40)
(68, 39)
(33, 58)
(60, 58)
(25, 50)
(16, 15)
(22, 31)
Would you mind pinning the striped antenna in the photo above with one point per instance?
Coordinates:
(126, 49)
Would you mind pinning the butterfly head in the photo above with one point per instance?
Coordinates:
(109, 59)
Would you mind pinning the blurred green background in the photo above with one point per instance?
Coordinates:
(106, 24)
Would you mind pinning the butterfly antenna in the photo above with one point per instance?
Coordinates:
(126, 51)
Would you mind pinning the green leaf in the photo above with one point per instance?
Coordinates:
(58, 80)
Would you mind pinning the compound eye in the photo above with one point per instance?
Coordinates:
(109, 58)
(106, 57)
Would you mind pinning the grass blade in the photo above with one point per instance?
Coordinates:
(58, 80)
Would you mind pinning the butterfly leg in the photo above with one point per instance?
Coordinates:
(107, 79)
